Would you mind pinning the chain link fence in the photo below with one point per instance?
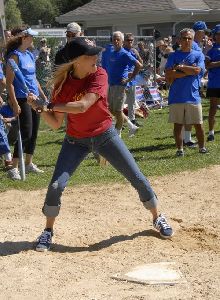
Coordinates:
(145, 45)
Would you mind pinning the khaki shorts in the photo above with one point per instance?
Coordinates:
(116, 97)
(185, 113)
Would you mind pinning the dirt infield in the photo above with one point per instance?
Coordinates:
(103, 230)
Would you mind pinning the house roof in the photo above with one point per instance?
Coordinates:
(100, 7)
(213, 4)
(97, 7)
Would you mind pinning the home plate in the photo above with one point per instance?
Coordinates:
(155, 273)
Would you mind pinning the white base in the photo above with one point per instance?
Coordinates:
(155, 273)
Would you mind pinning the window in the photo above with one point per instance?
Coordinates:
(103, 32)
(146, 31)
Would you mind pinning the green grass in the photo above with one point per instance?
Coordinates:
(153, 148)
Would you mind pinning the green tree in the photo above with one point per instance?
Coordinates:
(34, 10)
(12, 14)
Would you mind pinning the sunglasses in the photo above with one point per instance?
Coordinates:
(68, 34)
(129, 40)
(185, 38)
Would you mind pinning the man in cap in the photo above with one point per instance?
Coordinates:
(72, 30)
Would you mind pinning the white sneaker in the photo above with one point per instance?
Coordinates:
(132, 131)
(14, 174)
(32, 168)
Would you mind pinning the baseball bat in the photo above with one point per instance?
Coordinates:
(20, 153)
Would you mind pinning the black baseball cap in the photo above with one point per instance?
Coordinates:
(81, 46)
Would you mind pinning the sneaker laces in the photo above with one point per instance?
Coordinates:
(161, 222)
(44, 237)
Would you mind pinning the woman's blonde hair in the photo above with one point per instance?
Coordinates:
(60, 76)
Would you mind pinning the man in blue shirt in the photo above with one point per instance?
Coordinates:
(130, 89)
(200, 28)
(213, 87)
(183, 70)
(117, 66)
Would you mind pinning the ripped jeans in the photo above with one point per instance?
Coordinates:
(112, 148)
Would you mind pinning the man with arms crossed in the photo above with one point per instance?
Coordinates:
(182, 73)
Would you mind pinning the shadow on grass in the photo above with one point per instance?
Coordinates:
(164, 137)
(152, 148)
(10, 248)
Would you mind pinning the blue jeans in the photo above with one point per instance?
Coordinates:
(112, 148)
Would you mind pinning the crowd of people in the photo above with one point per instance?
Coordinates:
(99, 94)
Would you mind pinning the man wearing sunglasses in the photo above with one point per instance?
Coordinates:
(72, 30)
(183, 71)
(130, 89)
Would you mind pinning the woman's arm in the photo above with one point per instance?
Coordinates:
(77, 107)
(10, 87)
(41, 92)
(55, 117)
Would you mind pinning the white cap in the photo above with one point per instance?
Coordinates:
(73, 27)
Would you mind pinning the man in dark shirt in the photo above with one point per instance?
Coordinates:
(72, 30)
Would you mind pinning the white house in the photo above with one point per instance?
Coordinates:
(101, 17)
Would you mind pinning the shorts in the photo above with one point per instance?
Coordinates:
(213, 93)
(116, 97)
(185, 113)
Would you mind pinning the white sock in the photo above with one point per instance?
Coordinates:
(131, 125)
(187, 136)
(8, 156)
(211, 132)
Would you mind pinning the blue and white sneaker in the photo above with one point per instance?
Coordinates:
(163, 227)
(44, 241)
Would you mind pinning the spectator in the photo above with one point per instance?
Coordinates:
(130, 89)
(199, 28)
(44, 52)
(6, 116)
(118, 76)
(43, 65)
(182, 73)
(72, 30)
(176, 42)
(160, 47)
(144, 54)
(164, 56)
(17, 49)
(213, 87)
(81, 91)
(105, 54)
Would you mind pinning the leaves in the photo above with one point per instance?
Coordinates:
(31, 11)
(12, 14)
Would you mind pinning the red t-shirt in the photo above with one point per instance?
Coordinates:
(97, 118)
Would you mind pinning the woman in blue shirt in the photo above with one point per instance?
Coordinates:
(17, 49)
(213, 87)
